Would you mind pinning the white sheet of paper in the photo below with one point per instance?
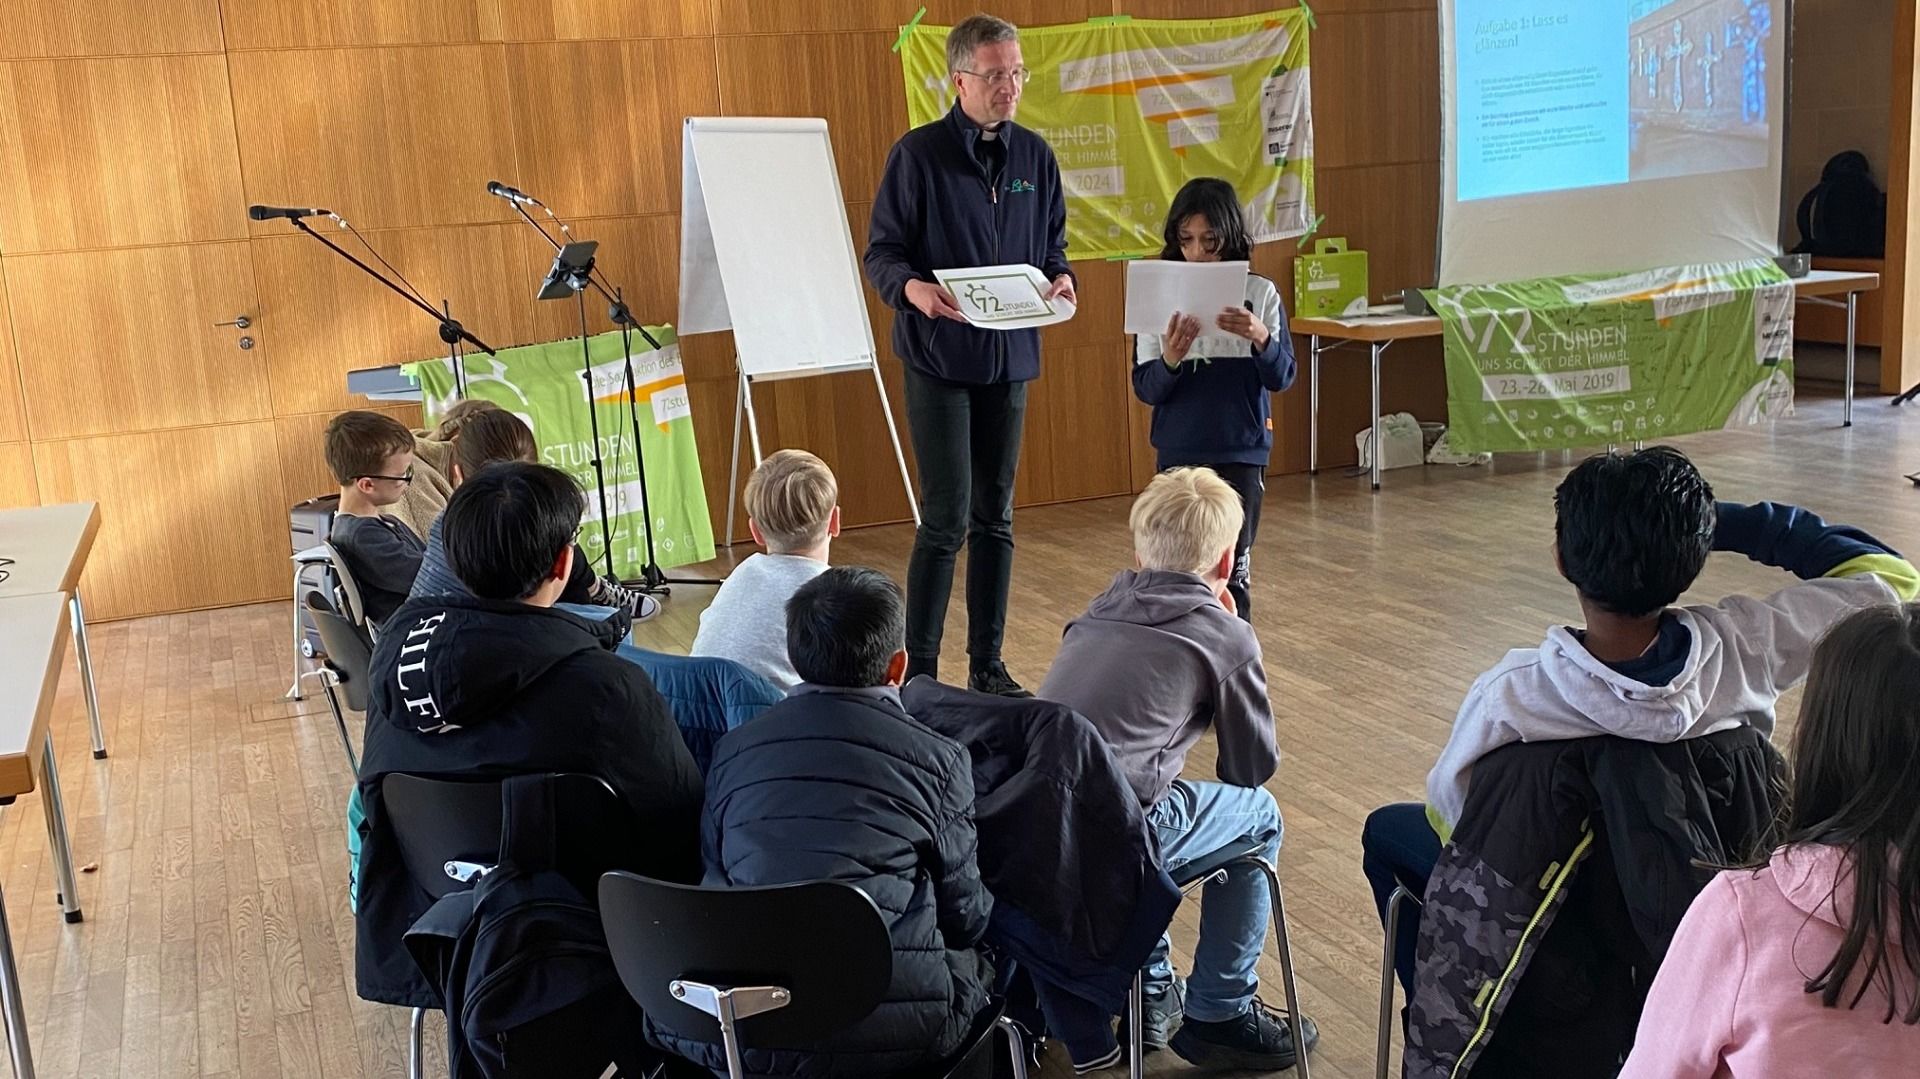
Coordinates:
(1009, 297)
(1156, 289)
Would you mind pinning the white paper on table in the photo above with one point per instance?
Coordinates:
(1156, 289)
(1011, 297)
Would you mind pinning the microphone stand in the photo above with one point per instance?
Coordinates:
(450, 331)
(652, 579)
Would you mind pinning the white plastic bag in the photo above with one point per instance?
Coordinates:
(1400, 435)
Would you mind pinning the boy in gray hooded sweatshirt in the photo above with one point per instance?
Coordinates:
(1156, 660)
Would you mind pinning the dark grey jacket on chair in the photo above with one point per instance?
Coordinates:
(848, 787)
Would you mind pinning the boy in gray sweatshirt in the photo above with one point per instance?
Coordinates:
(1158, 659)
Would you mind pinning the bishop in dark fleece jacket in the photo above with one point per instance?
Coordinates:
(949, 200)
(838, 782)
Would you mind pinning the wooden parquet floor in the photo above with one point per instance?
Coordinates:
(217, 939)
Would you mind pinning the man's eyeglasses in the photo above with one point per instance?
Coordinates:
(1019, 76)
(408, 478)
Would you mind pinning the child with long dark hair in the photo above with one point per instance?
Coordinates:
(1208, 376)
(1809, 962)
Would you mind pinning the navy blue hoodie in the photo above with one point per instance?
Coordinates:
(1213, 408)
(938, 208)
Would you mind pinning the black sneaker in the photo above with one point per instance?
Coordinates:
(638, 605)
(1161, 1015)
(1259, 1040)
(993, 678)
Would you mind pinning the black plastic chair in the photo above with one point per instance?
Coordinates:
(795, 964)
(1192, 875)
(449, 833)
(345, 655)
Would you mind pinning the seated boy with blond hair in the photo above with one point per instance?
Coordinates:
(1158, 659)
(371, 456)
(793, 510)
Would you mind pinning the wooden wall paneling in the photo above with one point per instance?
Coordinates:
(13, 418)
(848, 78)
(1900, 335)
(550, 20)
(1392, 213)
(300, 439)
(124, 340)
(98, 153)
(597, 124)
(385, 137)
(1361, 117)
(212, 535)
(296, 24)
(1077, 432)
(320, 317)
(108, 27)
(17, 486)
(787, 16)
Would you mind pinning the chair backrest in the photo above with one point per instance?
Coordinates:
(346, 649)
(823, 941)
(445, 827)
(347, 601)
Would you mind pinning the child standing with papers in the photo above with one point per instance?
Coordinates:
(1208, 376)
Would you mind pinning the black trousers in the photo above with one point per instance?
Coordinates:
(1250, 483)
(967, 442)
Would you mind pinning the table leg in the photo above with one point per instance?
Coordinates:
(1374, 352)
(57, 840)
(79, 613)
(1847, 409)
(1313, 406)
(16, 1013)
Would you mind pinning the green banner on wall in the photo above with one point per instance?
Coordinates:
(542, 385)
(1134, 108)
(1556, 363)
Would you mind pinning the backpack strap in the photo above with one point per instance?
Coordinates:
(527, 834)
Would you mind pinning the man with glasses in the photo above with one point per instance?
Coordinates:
(970, 189)
(371, 455)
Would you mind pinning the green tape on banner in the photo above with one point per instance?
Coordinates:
(1312, 23)
(1107, 20)
(1312, 228)
(908, 29)
(1124, 258)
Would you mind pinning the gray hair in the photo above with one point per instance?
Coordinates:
(973, 32)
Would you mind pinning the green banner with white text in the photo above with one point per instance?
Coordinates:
(542, 385)
(1134, 108)
(1557, 363)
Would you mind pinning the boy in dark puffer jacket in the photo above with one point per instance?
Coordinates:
(838, 782)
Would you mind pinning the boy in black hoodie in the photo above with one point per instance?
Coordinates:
(500, 683)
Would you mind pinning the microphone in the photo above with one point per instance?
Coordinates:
(269, 213)
(512, 194)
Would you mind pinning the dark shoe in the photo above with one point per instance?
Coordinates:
(1259, 1040)
(1162, 1014)
(638, 605)
(993, 678)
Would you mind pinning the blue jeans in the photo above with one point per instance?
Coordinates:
(1191, 822)
(1398, 846)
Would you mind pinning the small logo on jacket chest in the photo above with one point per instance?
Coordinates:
(1018, 186)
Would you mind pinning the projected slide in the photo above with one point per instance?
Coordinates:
(1565, 94)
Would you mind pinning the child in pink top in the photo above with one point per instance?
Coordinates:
(1809, 965)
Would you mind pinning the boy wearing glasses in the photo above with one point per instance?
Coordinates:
(371, 456)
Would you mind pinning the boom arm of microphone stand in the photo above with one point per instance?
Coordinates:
(447, 325)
